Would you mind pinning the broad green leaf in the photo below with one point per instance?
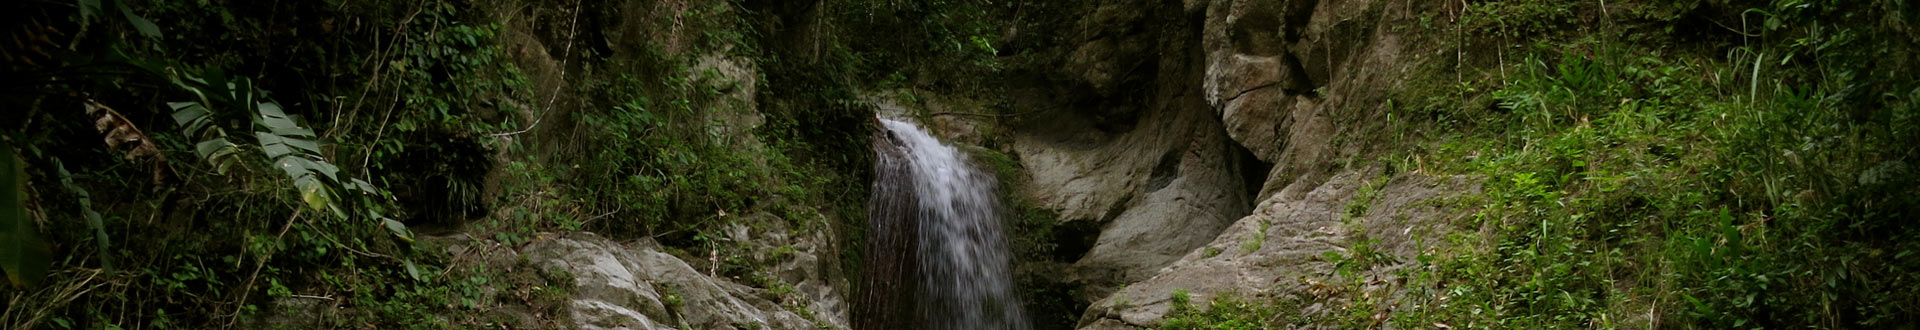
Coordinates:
(145, 26)
(324, 168)
(413, 270)
(187, 112)
(217, 152)
(192, 115)
(336, 209)
(224, 159)
(293, 131)
(99, 226)
(242, 93)
(294, 167)
(312, 192)
(216, 81)
(211, 149)
(273, 144)
(89, 8)
(363, 186)
(398, 229)
(280, 123)
(94, 220)
(270, 109)
(272, 115)
(309, 166)
(23, 255)
(310, 146)
(199, 128)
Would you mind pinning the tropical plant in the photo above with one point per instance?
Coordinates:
(288, 146)
(23, 254)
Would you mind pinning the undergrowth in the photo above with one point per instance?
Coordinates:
(222, 204)
(254, 182)
(1631, 185)
(1737, 164)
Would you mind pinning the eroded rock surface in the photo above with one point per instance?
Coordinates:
(1278, 251)
(635, 286)
(957, 120)
(1301, 83)
(1120, 138)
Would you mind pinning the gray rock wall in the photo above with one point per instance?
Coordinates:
(1124, 141)
(1164, 122)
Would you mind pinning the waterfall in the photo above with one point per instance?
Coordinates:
(936, 255)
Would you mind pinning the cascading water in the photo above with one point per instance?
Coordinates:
(936, 257)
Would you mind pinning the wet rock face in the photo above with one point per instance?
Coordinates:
(955, 119)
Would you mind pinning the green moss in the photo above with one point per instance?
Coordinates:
(1254, 242)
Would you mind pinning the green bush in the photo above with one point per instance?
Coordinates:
(1642, 172)
(1715, 190)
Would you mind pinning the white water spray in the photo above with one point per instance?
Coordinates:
(964, 278)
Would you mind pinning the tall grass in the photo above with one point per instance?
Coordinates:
(1634, 188)
(1639, 178)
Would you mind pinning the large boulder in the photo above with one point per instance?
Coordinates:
(635, 286)
(1159, 192)
(1277, 252)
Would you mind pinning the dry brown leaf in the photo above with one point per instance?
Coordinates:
(120, 134)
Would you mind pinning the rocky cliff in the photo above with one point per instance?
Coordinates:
(1214, 145)
(1204, 147)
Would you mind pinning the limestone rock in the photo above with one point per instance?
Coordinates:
(1120, 138)
(608, 293)
(954, 119)
(1288, 77)
(596, 314)
(1277, 251)
(805, 259)
(634, 286)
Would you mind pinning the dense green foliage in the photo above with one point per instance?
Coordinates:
(428, 99)
(1648, 165)
(239, 196)
(941, 43)
(1758, 182)
(1700, 163)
